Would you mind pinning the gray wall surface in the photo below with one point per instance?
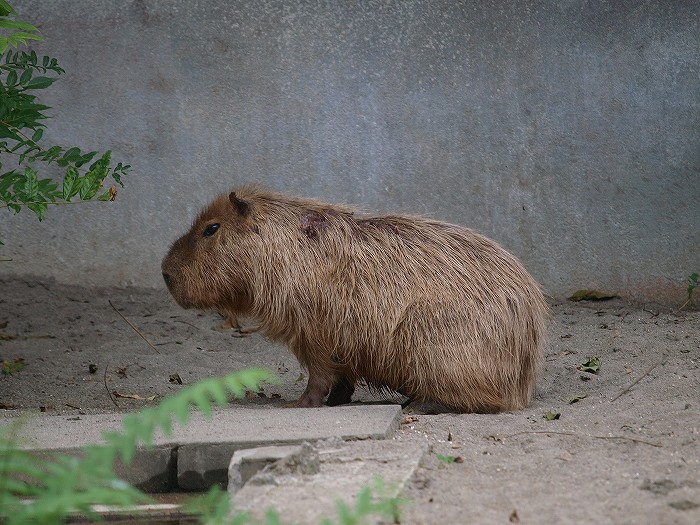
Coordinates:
(569, 131)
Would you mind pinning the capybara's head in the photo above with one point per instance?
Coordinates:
(208, 267)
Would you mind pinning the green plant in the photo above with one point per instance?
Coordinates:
(692, 285)
(575, 399)
(12, 367)
(214, 508)
(369, 502)
(20, 31)
(551, 416)
(592, 365)
(65, 484)
(445, 458)
(22, 126)
(57, 487)
(69, 484)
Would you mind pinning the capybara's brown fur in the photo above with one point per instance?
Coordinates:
(432, 310)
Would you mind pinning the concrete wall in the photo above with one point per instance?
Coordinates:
(569, 131)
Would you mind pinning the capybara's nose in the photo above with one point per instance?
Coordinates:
(168, 280)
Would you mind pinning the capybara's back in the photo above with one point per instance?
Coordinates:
(429, 309)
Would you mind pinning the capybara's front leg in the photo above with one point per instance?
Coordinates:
(316, 390)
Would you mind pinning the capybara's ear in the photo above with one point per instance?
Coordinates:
(241, 206)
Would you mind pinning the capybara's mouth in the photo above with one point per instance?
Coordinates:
(170, 282)
(187, 305)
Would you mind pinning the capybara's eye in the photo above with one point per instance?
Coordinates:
(210, 230)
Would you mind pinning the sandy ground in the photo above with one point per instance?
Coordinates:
(628, 452)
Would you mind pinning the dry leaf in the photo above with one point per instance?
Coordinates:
(592, 295)
(11, 367)
(551, 416)
(592, 365)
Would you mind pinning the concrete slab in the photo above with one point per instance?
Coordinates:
(248, 462)
(306, 485)
(198, 454)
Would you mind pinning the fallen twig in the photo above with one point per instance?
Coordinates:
(188, 324)
(627, 389)
(658, 445)
(582, 435)
(684, 305)
(652, 312)
(104, 378)
(132, 326)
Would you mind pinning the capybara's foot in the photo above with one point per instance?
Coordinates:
(316, 390)
(304, 402)
(232, 323)
(245, 332)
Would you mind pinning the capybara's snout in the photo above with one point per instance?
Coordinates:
(173, 279)
(167, 269)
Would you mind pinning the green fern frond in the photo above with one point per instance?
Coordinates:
(139, 427)
(68, 484)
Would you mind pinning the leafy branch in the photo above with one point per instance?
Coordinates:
(22, 116)
(20, 31)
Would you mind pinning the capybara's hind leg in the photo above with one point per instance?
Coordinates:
(341, 393)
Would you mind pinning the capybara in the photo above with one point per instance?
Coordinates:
(434, 311)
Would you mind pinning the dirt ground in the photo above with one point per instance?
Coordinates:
(627, 452)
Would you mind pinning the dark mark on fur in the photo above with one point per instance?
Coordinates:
(379, 224)
(312, 222)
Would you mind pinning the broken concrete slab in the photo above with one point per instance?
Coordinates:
(199, 453)
(248, 462)
(344, 470)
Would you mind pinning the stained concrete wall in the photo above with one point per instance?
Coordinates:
(567, 130)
